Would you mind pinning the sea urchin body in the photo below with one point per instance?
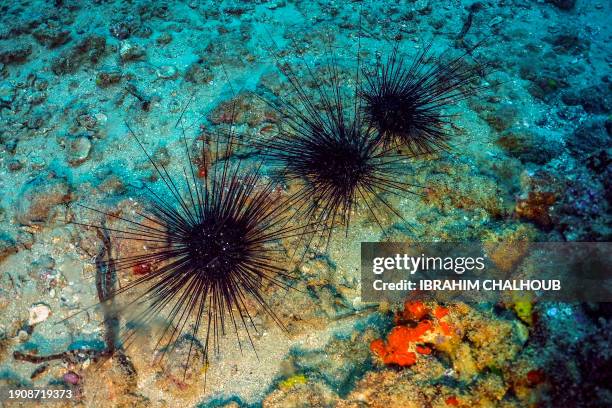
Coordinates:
(404, 101)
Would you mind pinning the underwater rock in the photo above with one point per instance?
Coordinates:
(198, 74)
(536, 208)
(37, 163)
(7, 95)
(544, 83)
(78, 150)
(185, 361)
(594, 99)
(16, 55)
(71, 378)
(36, 98)
(162, 156)
(121, 30)
(544, 87)
(307, 394)
(108, 77)
(495, 21)
(546, 74)
(38, 313)
(528, 146)
(150, 10)
(588, 138)
(19, 26)
(563, 4)
(583, 199)
(270, 82)
(569, 43)
(242, 110)
(43, 269)
(143, 31)
(14, 165)
(112, 185)
(38, 197)
(8, 246)
(164, 39)
(422, 7)
(130, 26)
(167, 72)
(480, 194)
(69, 296)
(39, 116)
(91, 121)
(89, 50)
(502, 118)
(51, 37)
(600, 163)
(40, 84)
(131, 52)
(582, 377)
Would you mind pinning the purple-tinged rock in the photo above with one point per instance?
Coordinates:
(71, 378)
(39, 197)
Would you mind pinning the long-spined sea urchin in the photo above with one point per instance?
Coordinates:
(334, 159)
(404, 100)
(210, 248)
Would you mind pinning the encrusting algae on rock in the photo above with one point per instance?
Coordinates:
(453, 347)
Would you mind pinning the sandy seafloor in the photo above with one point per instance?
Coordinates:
(530, 161)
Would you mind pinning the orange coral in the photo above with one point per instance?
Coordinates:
(440, 312)
(423, 350)
(378, 347)
(452, 400)
(399, 342)
(414, 310)
(446, 328)
(405, 341)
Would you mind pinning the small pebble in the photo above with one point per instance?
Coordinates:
(71, 378)
(101, 118)
(23, 336)
(131, 52)
(37, 163)
(174, 106)
(167, 72)
(39, 313)
(78, 150)
(164, 39)
(14, 165)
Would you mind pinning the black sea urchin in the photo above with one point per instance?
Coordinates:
(404, 100)
(332, 158)
(210, 251)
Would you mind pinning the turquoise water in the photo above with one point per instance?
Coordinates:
(529, 159)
